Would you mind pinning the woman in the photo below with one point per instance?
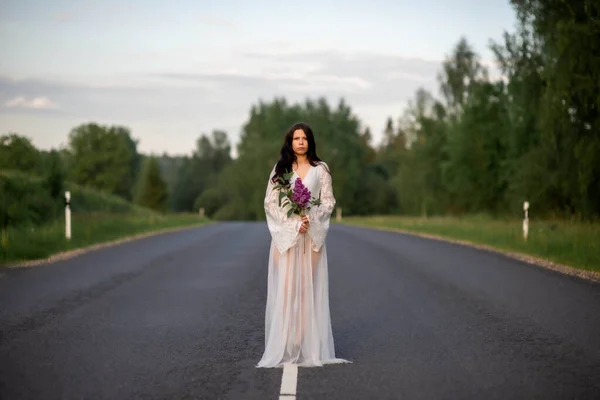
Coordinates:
(297, 321)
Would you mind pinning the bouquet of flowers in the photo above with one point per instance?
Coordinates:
(297, 198)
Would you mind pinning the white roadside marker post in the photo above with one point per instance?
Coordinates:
(526, 220)
(68, 215)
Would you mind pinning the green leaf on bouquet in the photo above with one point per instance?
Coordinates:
(290, 212)
(317, 201)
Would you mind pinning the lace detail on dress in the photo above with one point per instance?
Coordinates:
(320, 216)
(284, 230)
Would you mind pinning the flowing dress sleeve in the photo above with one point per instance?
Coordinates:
(319, 217)
(284, 230)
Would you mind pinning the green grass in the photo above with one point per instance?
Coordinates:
(36, 227)
(30, 243)
(575, 244)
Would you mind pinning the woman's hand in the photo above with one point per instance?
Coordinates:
(305, 224)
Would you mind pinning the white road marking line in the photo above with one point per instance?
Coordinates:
(289, 380)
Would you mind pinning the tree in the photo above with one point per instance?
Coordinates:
(461, 70)
(170, 170)
(420, 151)
(18, 153)
(521, 62)
(152, 189)
(54, 174)
(367, 143)
(200, 172)
(476, 150)
(340, 143)
(566, 156)
(389, 135)
(104, 157)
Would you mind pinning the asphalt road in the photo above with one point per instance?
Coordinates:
(180, 316)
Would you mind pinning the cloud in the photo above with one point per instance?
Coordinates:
(169, 109)
(326, 83)
(374, 78)
(235, 79)
(89, 9)
(216, 21)
(64, 17)
(402, 75)
(31, 87)
(367, 78)
(36, 103)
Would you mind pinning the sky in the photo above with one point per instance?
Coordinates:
(172, 71)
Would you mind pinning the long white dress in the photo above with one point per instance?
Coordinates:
(297, 319)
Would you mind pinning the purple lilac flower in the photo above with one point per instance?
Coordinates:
(301, 194)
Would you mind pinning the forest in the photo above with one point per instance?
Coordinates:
(480, 146)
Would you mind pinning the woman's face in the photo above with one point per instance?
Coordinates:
(299, 142)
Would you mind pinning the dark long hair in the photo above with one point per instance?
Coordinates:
(287, 152)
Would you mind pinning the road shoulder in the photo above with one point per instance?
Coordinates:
(537, 261)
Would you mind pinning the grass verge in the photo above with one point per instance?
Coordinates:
(573, 244)
(23, 244)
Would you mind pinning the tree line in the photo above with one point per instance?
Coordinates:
(483, 145)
